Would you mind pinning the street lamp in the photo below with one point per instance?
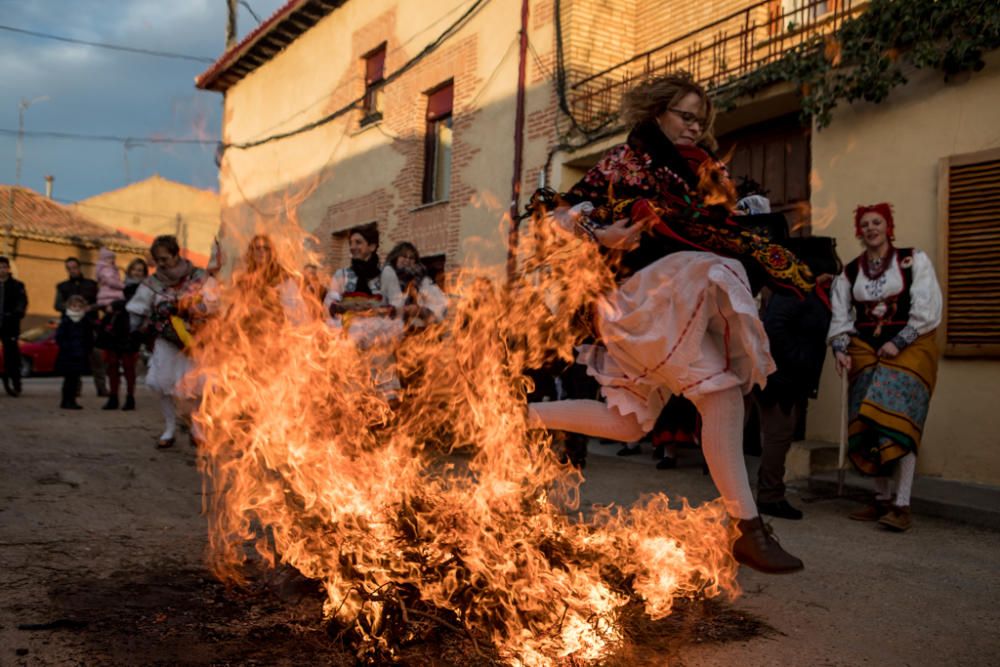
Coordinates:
(22, 106)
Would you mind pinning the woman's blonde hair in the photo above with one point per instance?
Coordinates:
(652, 97)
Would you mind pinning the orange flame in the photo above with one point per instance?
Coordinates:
(448, 507)
(714, 183)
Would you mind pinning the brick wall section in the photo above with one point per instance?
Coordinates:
(434, 229)
(597, 34)
(347, 214)
(660, 21)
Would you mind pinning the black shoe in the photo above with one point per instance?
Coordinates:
(666, 463)
(780, 509)
(630, 451)
(659, 451)
(129, 403)
(71, 406)
(112, 404)
(757, 548)
(8, 387)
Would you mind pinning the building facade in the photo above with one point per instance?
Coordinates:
(156, 206)
(434, 120)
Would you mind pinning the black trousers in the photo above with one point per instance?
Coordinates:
(70, 387)
(778, 428)
(11, 360)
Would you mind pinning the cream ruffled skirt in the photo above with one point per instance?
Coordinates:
(686, 324)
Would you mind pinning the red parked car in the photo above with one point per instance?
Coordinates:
(38, 350)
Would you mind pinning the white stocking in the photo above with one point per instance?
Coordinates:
(169, 416)
(585, 416)
(904, 479)
(722, 444)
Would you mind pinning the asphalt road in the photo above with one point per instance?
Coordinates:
(101, 544)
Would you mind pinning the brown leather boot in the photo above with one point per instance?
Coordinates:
(757, 548)
(871, 512)
(897, 519)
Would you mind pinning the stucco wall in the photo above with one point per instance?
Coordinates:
(890, 152)
(152, 207)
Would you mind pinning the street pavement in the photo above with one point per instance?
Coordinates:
(101, 562)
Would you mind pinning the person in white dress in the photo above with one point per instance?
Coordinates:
(685, 321)
(358, 302)
(168, 303)
(886, 307)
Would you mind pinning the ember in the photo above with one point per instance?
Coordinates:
(449, 511)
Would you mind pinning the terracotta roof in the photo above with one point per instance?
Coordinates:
(264, 42)
(38, 217)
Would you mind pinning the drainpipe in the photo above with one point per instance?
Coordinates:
(48, 186)
(515, 194)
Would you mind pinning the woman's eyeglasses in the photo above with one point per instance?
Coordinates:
(689, 118)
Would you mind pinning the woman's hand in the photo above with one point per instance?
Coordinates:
(843, 362)
(889, 350)
(621, 235)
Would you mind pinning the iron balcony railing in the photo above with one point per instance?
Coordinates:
(716, 54)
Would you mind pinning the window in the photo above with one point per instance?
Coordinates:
(969, 216)
(374, 80)
(437, 145)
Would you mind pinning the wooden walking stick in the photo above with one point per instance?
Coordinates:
(842, 456)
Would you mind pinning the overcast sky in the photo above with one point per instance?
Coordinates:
(97, 91)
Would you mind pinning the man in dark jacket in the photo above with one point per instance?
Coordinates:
(796, 329)
(13, 306)
(76, 284)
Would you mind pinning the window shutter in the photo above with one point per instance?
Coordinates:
(970, 208)
(375, 66)
(439, 102)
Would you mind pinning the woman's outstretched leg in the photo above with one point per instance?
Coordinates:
(585, 416)
(722, 444)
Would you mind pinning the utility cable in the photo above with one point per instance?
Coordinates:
(105, 45)
(45, 134)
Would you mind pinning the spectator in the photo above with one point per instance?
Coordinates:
(13, 306)
(886, 308)
(75, 337)
(76, 284)
(109, 281)
(419, 299)
(796, 329)
(167, 301)
(119, 344)
(356, 302)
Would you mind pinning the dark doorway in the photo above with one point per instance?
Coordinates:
(776, 155)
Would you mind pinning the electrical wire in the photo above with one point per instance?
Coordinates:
(105, 45)
(145, 214)
(74, 136)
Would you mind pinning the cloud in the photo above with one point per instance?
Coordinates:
(98, 91)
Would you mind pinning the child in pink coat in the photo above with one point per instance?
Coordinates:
(109, 281)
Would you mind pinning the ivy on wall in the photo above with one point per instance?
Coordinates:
(863, 59)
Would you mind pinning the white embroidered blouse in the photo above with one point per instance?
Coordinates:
(925, 300)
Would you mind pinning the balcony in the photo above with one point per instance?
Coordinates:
(716, 54)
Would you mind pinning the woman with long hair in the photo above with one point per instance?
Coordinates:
(886, 307)
(684, 321)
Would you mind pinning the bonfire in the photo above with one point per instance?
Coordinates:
(448, 510)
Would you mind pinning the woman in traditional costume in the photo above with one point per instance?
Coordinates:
(684, 322)
(886, 307)
(170, 302)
